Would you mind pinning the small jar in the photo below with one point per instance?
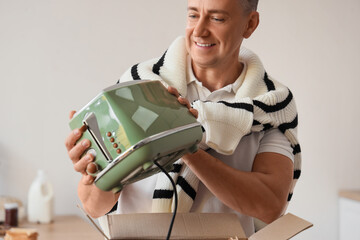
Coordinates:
(11, 215)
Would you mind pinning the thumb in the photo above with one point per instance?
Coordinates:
(71, 114)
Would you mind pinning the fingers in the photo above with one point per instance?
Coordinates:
(173, 91)
(78, 150)
(71, 114)
(92, 168)
(184, 102)
(82, 165)
(87, 179)
(194, 112)
(73, 137)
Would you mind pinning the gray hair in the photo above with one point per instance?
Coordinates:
(249, 5)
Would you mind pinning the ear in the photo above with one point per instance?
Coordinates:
(253, 22)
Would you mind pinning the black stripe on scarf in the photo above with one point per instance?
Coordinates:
(255, 122)
(269, 84)
(266, 126)
(289, 197)
(189, 190)
(279, 106)
(163, 193)
(296, 149)
(134, 72)
(114, 208)
(177, 168)
(285, 126)
(297, 174)
(159, 64)
(246, 106)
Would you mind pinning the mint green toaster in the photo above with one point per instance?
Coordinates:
(131, 125)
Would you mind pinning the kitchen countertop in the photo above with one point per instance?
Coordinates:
(69, 227)
(350, 194)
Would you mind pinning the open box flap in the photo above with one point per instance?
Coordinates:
(194, 226)
(186, 226)
(102, 222)
(282, 229)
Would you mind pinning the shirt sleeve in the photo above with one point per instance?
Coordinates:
(275, 141)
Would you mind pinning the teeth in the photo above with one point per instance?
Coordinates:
(204, 44)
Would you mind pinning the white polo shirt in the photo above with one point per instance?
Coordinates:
(137, 197)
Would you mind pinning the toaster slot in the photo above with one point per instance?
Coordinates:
(92, 125)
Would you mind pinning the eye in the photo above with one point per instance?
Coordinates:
(192, 16)
(216, 19)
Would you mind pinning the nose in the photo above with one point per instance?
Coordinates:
(201, 28)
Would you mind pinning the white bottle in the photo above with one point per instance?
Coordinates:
(41, 200)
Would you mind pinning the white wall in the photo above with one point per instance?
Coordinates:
(313, 46)
(56, 55)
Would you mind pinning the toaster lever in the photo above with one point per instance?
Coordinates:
(92, 124)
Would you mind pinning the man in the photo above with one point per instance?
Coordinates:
(246, 163)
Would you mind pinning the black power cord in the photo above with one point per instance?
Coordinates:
(176, 198)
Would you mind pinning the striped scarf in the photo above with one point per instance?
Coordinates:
(260, 104)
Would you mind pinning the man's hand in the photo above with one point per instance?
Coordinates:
(83, 163)
(183, 101)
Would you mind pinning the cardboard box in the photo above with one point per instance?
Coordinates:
(195, 226)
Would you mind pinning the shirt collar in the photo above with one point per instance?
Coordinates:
(231, 87)
(190, 74)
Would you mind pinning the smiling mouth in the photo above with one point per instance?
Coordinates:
(204, 44)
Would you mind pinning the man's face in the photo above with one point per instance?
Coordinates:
(215, 30)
